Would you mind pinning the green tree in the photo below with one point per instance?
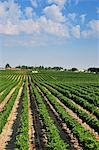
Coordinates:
(7, 66)
(74, 69)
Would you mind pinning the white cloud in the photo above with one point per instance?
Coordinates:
(53, 12)
(51, 24)
(30, 26)
(87, 33)
(2, 8)
(3, 15)
(75, 31)
(34, 3)
(82, 18)
(14, 12)
(14, 24)
(32, 40)
(93, 29)
(94, 25)
(61, 3)
(9, 28)
(29, 12)
(50, 27)
(72, 16)
(9, 11)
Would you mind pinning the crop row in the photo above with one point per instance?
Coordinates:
(22, 137)
(94, 123)
(77, 91)
(52, 133)
(9, 89)
(7, 109)
(8, 83)
(90, 107)
(4, 79)
(85, 138)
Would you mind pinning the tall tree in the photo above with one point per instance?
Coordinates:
(7, 66)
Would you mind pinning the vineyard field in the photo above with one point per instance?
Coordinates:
(49, 110)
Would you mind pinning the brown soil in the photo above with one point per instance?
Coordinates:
(31, 128)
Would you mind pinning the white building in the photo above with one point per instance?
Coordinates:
(34, 71)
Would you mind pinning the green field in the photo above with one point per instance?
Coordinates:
(49, 110)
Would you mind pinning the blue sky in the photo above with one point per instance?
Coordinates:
(49, 32)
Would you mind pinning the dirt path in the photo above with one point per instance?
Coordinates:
(7, 130)
(31, 128)
(71, 113)
(65, 133)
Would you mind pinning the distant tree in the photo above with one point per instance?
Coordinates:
(57, 68)
(18, 67)
(46, 68)
(93, 70)
(7, 66)
(74, 69)
(49, 68)
(41, 68)
(24, 67)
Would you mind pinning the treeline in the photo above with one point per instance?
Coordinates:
(57, 68)
(39, 68)
(93, 70)
(46, 68)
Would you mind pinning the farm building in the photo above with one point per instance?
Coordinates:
(34, 71)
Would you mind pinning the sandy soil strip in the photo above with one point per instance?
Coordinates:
(7, 130)
(71, 113)
(31, 129)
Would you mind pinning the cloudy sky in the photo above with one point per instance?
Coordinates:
(49, 32)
